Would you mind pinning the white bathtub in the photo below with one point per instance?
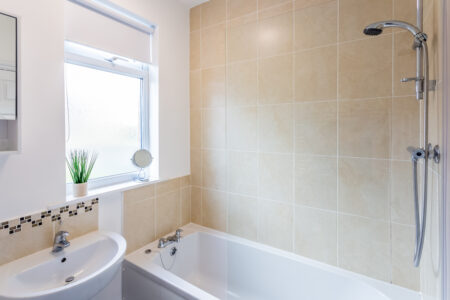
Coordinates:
(213, 265)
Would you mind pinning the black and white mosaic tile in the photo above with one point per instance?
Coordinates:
(38, 219)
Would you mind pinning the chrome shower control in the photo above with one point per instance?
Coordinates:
(434, 153)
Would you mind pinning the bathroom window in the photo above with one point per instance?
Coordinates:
(107, 111)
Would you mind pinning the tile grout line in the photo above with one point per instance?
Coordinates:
(293, 132)
(227, 183)
(337, 133)
(286, 53)
(201, 118)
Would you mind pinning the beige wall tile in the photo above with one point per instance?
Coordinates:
(354, 15)
(316, 128)
(167, 186)
(81, 224)
(242, 38)
(263, 4)
(196, 128)
(138, 222)
(213, 87)
(140, 193)
(25, 242)
(196, 167)
(167, 213)
(242, 88)
(214, 169)
(237, 8)
(404, 64)
(364, 246)
(185, 205)
(194, 52)
(316, 25)
(242, 126)
(405, 10)
(276, 177)
(214, 209)
(213, 12)
(365, 128)
(405, 126)
(243, 173)
(365, 68)
(402, 204)
(364, 187)
(275, 80)
(185, 181)
(243, 216)
(214, 122)
(316, 234)
(316, 181)
(275, 128)
(276, 35)
(276, 224)
(403, 271)
(195, 89)
(196, 205)
(195, 15)
(213, 46)
(316, 74)
(301, 4)
(276, 10)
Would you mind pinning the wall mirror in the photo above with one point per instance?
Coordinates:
(8, 67)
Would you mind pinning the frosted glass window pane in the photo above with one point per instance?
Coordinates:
(103, 113)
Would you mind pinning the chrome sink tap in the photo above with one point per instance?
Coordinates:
(164, 242)
(60, 241)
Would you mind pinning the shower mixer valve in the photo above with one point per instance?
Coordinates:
(431, 83)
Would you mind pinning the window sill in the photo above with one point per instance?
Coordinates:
(98, 192)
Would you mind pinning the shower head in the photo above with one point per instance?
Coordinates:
(372, 31)
(377, 28)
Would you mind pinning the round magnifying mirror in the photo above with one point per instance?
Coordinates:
(142, 159)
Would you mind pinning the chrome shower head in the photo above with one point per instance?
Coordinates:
(377, 28)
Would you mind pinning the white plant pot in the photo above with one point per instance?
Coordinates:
(80, 189)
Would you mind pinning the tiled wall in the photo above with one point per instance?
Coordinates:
(155, 210)
(28, 234)
(299, 129)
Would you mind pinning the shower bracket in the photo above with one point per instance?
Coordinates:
(434, 153)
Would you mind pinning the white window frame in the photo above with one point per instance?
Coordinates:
(121, 68)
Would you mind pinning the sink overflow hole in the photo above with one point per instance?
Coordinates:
(70, 279)
(148, 251)
(63, 259)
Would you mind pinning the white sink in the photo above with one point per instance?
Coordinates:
(92, 260)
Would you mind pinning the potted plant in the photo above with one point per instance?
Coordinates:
(80, 164)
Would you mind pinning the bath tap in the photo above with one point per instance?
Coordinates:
(60, 241)
(164, 242)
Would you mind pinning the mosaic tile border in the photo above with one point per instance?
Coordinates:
(38, 219)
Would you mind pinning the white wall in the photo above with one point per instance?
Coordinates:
(35, 178)
(172, 20)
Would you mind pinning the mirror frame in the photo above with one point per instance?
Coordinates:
(17, 65)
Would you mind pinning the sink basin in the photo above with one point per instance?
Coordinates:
(80, 271)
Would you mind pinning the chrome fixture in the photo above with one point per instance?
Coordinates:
(164, 242)
(423, 86)
(60, 241)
